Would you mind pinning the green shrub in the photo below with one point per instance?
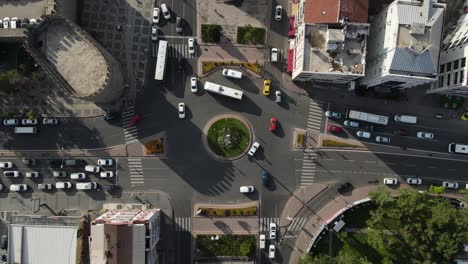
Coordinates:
(250, 35)
(211, 33)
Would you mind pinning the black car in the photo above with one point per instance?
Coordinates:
(4, 242)
(111, 116)
(110, 188)
(55, 162)
(265, 178)
(346, 187)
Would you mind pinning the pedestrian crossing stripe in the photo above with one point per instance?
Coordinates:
(183, 224)
(179, 51)
(130, 132)
(265, 223)
(135, 167)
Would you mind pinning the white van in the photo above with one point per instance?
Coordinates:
(406, 119)
(25, 130)
(350, 123)
(232, 74)
(86, 186)
(274, 55)
(63, 185)
(262, 241)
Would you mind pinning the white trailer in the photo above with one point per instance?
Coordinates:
(367, 117)
(223, 90)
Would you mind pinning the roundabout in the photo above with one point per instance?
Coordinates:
(227, 137)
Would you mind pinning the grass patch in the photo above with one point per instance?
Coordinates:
(208, 66)
(217, 132)
(250, 35)
(216, 212)
(338, 144)
(211, 33)
(227, 245)
(154, 147)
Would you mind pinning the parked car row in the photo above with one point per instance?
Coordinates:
(29, 122)
(418, 181)
(15, 22)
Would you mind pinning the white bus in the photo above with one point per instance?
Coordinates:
(223, 90)
(161, 61)
(25, 130)
(458, 148)
(367, 117)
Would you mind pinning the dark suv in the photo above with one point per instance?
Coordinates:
(346, 187)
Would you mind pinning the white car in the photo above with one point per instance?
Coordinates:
(14, 22)
(350, 123)
(107, 174)
(78, 176)
(425, 135)
(191, 46)
(63, 185)
(278, 96)
(181, 108)
(6, 165)
(271, 251)
(414, 181)
(246, 189)
(278, 12)
(32, 174)
(105, 162)
(390, 181)
(333, 114)
(50, 121)
(450, 185)
(10, 122)
(154, 33)
(6, 22)
(165, 11)
(363, 134)
(193, 84)
(272, 230)
(381, 139)
(155, 15)
(92, 168)
(254, 148)
(14, 174)
(18, 187)
(29, 121)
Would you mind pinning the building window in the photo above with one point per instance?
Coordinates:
(455, 78)
(455, 64)
(463, 62)
(448, 79)
(449, 66)
(461, 77)
(442, 68)
(441, 81)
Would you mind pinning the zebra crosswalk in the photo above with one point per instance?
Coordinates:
(308, 168)
(135, 168)
(179, 50)
(265, 223)
(314, 120)
(183, 224)
(130, 131)
(297, 224)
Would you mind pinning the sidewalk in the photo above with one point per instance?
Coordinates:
(301, 245)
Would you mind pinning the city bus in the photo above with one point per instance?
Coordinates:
(161, 61)
(458, 148)
(367, 117)
(223, 90)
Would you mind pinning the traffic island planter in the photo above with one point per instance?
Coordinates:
(299, 141)
(227, 137)
(225, 246)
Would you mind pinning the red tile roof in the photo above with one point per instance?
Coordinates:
(330, 11)
(355, 10)
(321, 11)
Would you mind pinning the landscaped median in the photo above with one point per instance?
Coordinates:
(234, 246)
(220, 212)
(337, 142)
(208, 66)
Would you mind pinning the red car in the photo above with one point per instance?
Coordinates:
(401, 132)
(134, 120)
(334, 129)
(273, 124)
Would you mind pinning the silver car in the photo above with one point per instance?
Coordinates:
(381, 139)
(179, 26)
(253, 149)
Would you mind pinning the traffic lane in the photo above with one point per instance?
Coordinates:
(68, 134)
(364, 166)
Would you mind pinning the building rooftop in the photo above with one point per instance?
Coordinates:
(42, 244)
(331, 11)
(329, 50)
(126, 217)
(321, 11)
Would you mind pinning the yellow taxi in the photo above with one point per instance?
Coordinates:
(464, 116)
(266, 87)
